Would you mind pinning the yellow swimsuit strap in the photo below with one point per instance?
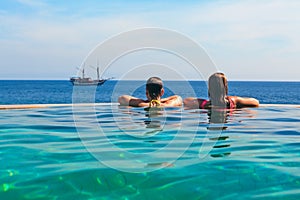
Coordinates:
(157, 102)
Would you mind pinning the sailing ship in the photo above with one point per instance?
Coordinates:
(85, 81)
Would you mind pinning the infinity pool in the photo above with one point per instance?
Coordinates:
(111, 152)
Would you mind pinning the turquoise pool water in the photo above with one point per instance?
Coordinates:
(129, 153)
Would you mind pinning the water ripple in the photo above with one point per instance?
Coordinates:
(46, 155)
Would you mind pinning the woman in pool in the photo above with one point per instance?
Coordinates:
(217, 92)
(154, 92)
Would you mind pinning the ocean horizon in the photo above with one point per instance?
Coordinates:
(61, 91)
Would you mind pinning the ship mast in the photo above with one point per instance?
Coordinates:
(83, 75)
(98, 76)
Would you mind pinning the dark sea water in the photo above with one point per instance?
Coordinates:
(60, 91)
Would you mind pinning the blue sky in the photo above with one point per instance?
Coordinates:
(248, 40)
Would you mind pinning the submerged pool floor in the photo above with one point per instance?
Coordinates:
(111, 152)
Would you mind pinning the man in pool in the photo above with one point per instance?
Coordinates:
(154, 92)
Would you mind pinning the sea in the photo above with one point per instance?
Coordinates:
(62, 91)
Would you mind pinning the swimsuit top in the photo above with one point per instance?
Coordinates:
(230, 103)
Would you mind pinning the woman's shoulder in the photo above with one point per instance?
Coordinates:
(232, 102)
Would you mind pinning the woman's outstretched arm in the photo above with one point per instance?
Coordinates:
(242, 102)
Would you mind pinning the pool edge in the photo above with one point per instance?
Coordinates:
(32, 106)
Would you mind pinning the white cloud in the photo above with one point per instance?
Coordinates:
(250, 39)
(37, 46)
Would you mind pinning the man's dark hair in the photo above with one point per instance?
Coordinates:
(154, 86)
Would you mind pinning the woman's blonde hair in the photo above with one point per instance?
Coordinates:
(217, 88)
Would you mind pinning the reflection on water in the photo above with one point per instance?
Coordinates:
(219, 124)
(250, 153)
(217, 120)
(153, 122)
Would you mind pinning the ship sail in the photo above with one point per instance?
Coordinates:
(85, 81)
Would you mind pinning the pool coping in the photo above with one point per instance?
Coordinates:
(31, 106)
